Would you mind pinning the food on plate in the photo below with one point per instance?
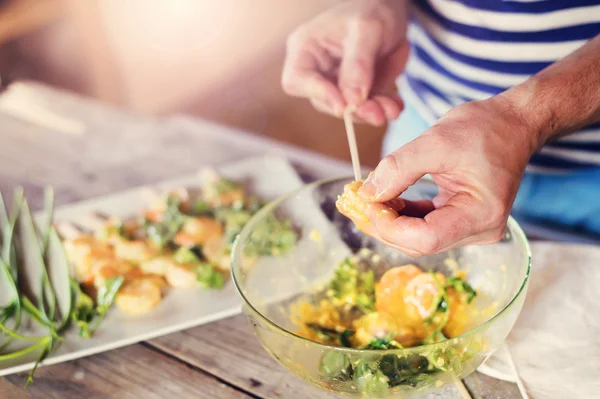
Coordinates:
(182, 240)
(56, 275)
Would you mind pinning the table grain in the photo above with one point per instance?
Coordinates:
(118, 150)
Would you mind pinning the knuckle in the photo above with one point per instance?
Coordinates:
(298, 37)
(497, 213)
(366, 21)
(287, 83)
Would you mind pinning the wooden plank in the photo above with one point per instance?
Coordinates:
(228, 350)
(132, 372)
(9, 390)
(483, 387)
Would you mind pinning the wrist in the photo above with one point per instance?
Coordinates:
(528, 108)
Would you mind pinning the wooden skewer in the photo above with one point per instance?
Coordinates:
(352, 141)
(462, 390)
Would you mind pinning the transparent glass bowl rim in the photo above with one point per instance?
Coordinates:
(513, 228)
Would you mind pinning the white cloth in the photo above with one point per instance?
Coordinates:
(555, 343)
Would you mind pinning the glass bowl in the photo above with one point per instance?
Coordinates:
(271, 284)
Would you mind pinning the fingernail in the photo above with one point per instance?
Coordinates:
(373, 120)
(355, 95)
(368, 189)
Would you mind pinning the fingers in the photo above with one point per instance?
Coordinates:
(391, 67)
(416, 209)
(402, 168)
(302, 76)
(357, 68)
(317, 88)
(438, 230)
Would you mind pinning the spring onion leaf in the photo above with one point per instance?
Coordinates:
(32, 271)
(83, 312)
(105, 298)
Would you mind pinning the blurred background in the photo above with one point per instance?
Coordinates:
(218, 60)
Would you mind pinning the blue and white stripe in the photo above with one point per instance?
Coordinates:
(464, 50)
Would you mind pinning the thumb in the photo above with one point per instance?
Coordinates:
(402, 168)
(357, 67)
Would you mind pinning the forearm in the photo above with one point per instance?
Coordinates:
(563, 97)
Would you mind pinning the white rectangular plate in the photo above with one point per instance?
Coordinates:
(268, 177)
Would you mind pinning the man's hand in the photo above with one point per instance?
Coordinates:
(350, 54)
(477, 155)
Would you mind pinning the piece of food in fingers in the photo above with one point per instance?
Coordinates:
(354, 206)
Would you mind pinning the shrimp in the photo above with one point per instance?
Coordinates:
(197, 231)
(215, 251)
(140, 295)
(157, 266)
(85, 252)
(181, 276)
(219, 191)
(133, 250)
(108, 269)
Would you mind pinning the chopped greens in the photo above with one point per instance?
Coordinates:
(386, 342)
(206, 273)
(185, 255)
(163, 232)
(272, 237)
(462, 287)
(351, 286)
(225, 185)
(208, 276)
(335, 364)
(331, 335)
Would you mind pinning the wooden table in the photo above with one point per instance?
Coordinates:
(218, 360)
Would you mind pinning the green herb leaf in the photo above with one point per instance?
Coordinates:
(163, 232)
(226, 185)
(105, 298)
(370, 379)
(353, 286)
(384, 343)
(332, 335)
(461, 286)
(209, 277)
(185, 255)
(335, 364)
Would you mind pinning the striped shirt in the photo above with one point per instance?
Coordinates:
(464, 50)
